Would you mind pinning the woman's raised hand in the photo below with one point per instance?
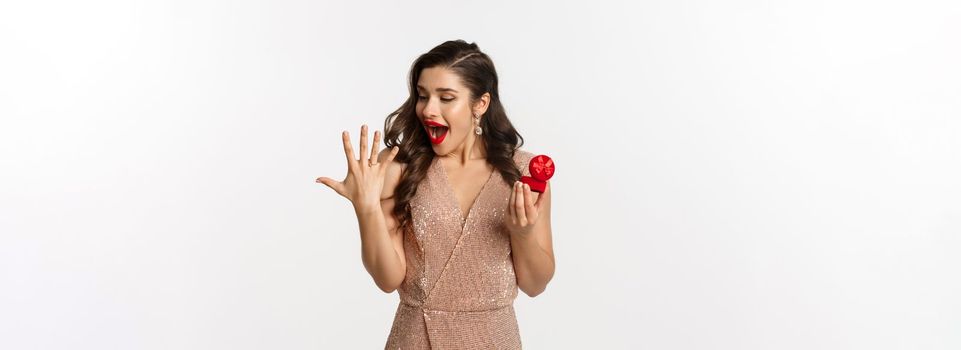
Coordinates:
(365, 176)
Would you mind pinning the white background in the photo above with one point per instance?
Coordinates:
(731, 175)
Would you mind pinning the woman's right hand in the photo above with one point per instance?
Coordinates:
(365, 176)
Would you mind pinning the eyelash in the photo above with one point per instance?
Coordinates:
(445, 100)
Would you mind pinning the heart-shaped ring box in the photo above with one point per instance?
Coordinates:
(542, 169)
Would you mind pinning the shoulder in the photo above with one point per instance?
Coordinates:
(521, 153)
(522, 159)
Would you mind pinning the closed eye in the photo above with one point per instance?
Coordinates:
(443, 99)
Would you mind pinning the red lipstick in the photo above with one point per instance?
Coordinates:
(435, 131)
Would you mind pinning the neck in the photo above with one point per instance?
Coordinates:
(472, 148)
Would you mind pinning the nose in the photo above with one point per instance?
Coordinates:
(431, 109)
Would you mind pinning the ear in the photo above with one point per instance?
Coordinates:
(480, 107)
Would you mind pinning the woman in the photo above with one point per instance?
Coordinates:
(443, 218)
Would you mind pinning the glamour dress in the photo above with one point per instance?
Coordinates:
(460, 285)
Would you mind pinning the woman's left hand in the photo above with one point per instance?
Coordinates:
(522, 211)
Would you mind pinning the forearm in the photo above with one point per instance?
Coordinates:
(377, 251)
(533, 266)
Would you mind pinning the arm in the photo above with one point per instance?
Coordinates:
(382, 248)
(381, 241)
(531, 246)
(370, 186)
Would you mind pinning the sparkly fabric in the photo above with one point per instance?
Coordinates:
(460, 285)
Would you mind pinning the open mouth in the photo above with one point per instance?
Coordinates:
(435, 131)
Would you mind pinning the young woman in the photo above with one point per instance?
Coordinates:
(443, 218)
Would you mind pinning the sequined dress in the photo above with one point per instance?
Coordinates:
(460, 285)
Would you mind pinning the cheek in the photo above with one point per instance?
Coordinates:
(462, 129)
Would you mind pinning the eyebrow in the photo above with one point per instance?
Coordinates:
(437, 89)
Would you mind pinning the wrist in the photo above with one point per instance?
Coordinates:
(364, 209)
(523, 238)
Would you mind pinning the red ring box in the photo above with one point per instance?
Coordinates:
(541, 169)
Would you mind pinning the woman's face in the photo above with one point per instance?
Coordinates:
(444, 108)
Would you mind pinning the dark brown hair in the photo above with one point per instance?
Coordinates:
(402, 127)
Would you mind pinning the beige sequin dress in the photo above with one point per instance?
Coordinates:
(460, 286)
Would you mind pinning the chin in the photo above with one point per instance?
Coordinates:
(439, 150)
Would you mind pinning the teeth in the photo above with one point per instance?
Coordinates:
(434, 131)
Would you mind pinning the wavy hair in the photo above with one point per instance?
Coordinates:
(402, 127)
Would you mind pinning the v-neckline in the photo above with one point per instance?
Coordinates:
(453, 194)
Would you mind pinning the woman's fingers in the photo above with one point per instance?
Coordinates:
(364, 156)
(529, 205)
(335, 185)
(519, 205)
(540, 197)
(393, 153)
(349, 152)
(375, 148)
(388, 159)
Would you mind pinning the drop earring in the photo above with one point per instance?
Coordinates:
(477, 127)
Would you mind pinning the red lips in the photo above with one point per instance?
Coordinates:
(435, 131)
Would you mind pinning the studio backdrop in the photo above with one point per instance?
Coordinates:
(729, 175)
